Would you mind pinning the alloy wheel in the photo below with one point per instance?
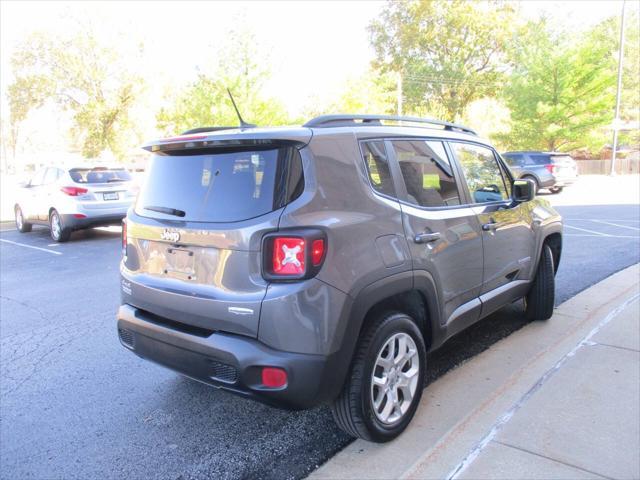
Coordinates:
(395, 378)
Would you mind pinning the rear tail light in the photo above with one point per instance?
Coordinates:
(74, 191)
(124, 238)
(289, 256)
(551, 167)
(295, 255)
(273, 377)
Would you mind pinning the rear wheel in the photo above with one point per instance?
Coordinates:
(386, 380)
(556, 189)
(540, 299)
(21, 224)
(58, 232)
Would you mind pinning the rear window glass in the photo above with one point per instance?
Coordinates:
(99, 175)
(220, 187)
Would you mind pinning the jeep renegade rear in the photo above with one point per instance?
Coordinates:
(319, 264)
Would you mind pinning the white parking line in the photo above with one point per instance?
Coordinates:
(598, 220)
(600, 236)
(588, 231)
(30, 246)
(617, 225)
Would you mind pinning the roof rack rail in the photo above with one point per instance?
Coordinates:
(206, 129)
(326, 121)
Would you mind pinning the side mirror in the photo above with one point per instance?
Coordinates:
(523, 190)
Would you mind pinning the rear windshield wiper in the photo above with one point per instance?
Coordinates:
(168, 211)
(111, 180)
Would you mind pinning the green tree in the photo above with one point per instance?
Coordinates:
(80, 74)
(205, 101)
(373, 92)
(448, 52)
(562, 88)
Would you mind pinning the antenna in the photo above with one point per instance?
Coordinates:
(243, 124)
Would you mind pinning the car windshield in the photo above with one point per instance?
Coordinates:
(99, 175)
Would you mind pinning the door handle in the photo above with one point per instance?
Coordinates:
(426, 237)
(491, 226)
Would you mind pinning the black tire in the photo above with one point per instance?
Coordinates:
(540, 300)
(555, 190)
(353, 409)
(58, 232)
(535, 182)
(21, 225)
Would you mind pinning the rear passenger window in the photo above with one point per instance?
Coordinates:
(512, 159)
(481, 171)
(427, 173)
(375, 157)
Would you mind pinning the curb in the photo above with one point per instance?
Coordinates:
(459, 410)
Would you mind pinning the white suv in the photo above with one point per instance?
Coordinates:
(68, 199)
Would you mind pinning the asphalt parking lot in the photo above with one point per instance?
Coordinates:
(75, 404)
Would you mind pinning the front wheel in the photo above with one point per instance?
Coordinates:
(21, 224)
(56, 228)
(541, 298)
(386, 380)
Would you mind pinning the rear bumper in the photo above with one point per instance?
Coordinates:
(74, 223)
(231, 362)
(564, 181)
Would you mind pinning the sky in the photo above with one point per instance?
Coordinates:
(313, 48)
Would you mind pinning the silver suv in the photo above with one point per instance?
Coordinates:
(319, 264)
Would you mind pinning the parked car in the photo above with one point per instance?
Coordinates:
(319, 264)
(550, 170)
(68, 199)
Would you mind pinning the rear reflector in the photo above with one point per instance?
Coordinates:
(79, 215)
(317, 251)
(74, 191)
(288, 256)
(273, 377)
(124, 238)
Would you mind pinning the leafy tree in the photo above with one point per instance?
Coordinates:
(80, 74)
(448, 52)
(373, 92)
(562, 88)
(205, 101)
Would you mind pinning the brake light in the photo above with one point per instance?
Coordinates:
(551, 167)
(273, 377)
(317, 251)
(124, 238)
(293, 254)
(74, 191)
(289, 256)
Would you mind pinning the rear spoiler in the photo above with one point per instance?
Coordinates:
(259, 138)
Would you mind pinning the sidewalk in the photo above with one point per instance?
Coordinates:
(557, 399)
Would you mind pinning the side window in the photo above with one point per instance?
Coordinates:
(38, 178)
(427, 173)
(539, 159)
(375, 157)
(482, 172)
(51, 176)
(513, 159)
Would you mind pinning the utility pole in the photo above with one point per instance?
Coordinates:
(616, 120)
(399, 92)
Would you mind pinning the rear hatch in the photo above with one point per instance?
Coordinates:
(194, 237)
(564, 166)
(105, 187)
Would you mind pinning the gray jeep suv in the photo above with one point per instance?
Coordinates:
(319, 264)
